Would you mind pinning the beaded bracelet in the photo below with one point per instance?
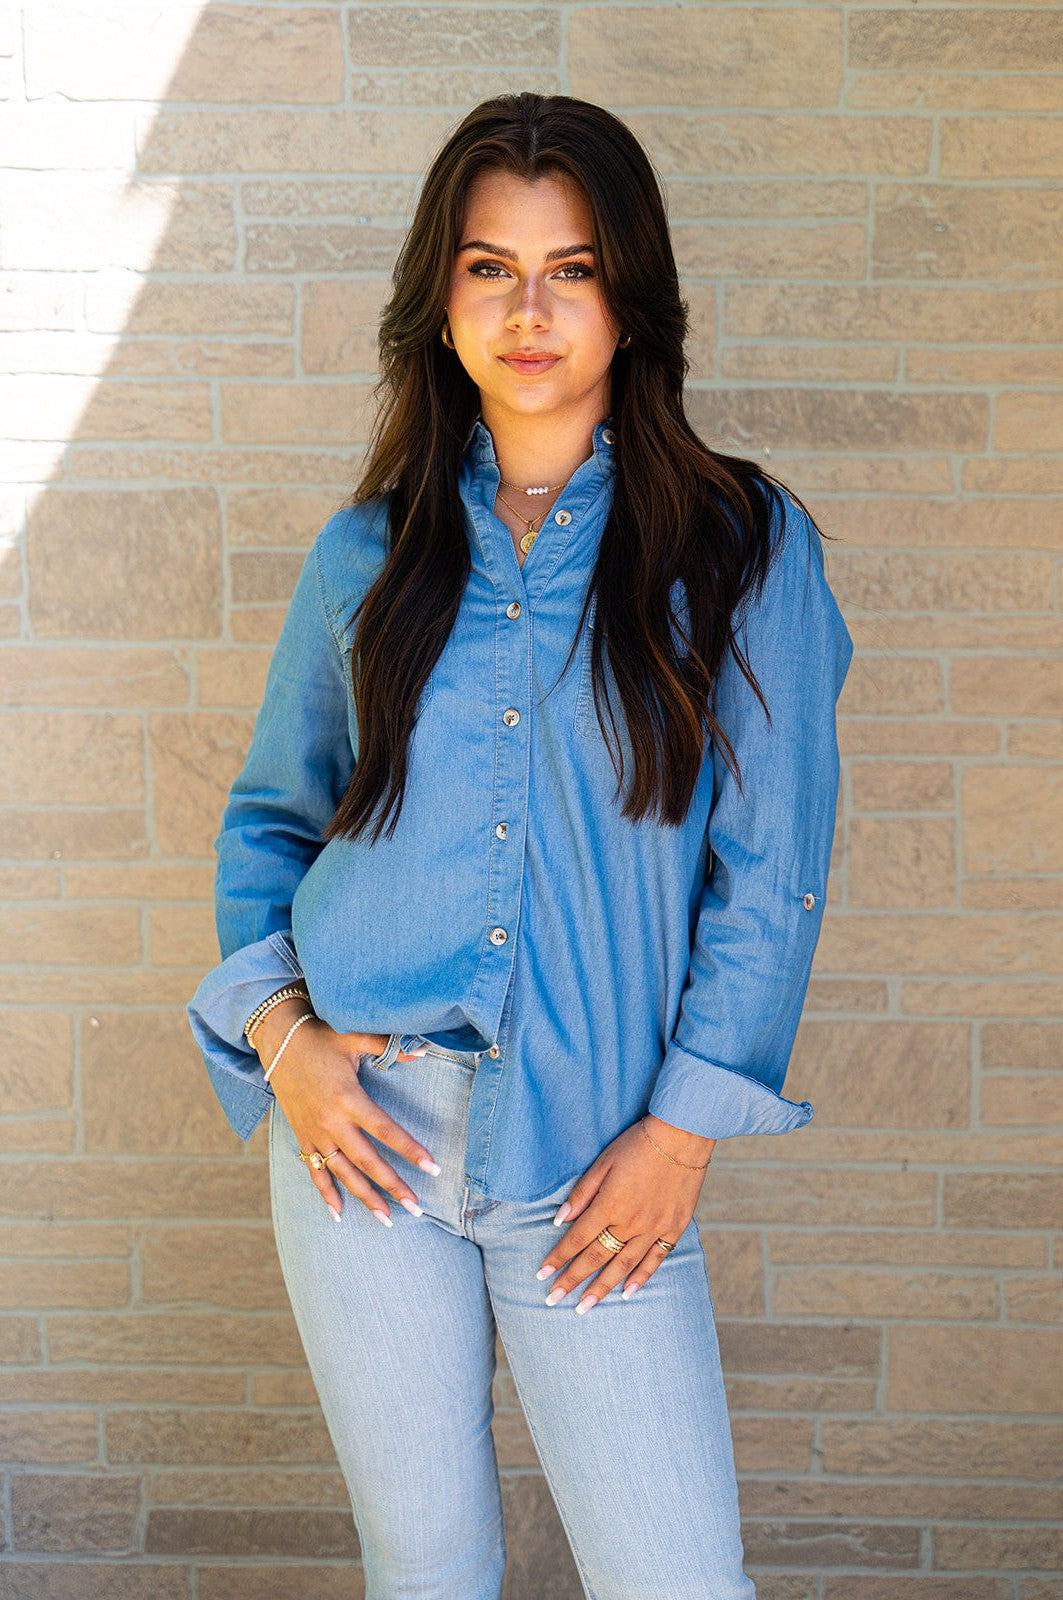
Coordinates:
(296, 1024)
(293, 991)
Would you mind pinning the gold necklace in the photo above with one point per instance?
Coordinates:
(529, 538)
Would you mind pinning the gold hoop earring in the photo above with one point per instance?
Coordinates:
(447, 337)
(623, 342)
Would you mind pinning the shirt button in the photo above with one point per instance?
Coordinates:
(501, 829)
(498, 936)
(810, 901)
(510, 717)
(562, 518)
(513, 609)
(608, 436)
(494, 1051)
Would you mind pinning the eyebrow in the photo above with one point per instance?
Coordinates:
(511, 255)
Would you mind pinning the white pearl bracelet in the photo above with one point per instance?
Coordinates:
(296, 1024)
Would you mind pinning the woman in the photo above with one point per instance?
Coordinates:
(481, 978)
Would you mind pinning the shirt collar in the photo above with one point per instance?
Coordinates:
(479, 452)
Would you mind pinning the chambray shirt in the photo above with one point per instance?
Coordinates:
(612, 967)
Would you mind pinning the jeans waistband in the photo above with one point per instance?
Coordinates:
(416, 1041)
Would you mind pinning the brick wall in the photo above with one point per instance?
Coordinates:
(200, 210)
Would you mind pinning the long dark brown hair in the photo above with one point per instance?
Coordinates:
(680, 511)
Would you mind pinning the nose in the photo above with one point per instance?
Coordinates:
(529, 309)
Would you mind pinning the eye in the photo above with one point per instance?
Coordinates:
(487, 269)
(573, 271)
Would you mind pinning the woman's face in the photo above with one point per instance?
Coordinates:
(526, 314)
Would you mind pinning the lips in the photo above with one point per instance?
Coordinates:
(530, 362)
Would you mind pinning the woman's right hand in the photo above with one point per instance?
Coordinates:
(316, 1084)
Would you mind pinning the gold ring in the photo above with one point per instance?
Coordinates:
(326, 1159)
(314, 1158)
(610, 1240)
(663, 1244)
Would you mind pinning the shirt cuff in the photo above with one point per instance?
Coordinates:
(718, 1102)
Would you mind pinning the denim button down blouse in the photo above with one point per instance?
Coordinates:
(614, 967)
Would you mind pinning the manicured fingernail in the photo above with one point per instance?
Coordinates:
(544, 1272)
(562, 1212)
(554, 1296)
(336, 1215)
(630, 1290)
(428, 1165)
(383, 1217)
(416, 1052)
(412, 1207)
(585, 1304)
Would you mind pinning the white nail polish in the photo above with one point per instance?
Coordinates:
(383, 1217)
(430, 1166)
(412, 1207)
(629, 1291)
(544, 1272)
(554, 1296)
(585, 1305)
(334, 1214)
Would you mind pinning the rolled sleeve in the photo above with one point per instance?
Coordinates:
(297, 769)
(761, 906)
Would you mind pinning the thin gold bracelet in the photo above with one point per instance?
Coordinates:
(292, 991)
(688, 1164)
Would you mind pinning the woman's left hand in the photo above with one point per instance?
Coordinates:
(640, 1196)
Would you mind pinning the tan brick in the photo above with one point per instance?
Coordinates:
(785, 1447)
(955, 1448)
(220, 466)
(890, 1073)
(182, 936)
(846, 994)
(1010, 894)
(134, 1189)
(393, 35)
(898, 580)
(277, 247)
(48, 1241)
(113, 410)
(79, 1514)
(927, 1586)
(980, 38)
(31, 1436)
(265, 575)
(861, 1292)
(143, 1090)
(904, 736)
(51, 1284)
(981, 999)
(36, 1064)
(339, 326)
(223, 1437)
(259, 518)
(441, 86)
(63, 831)
(894, 685)
(272, 413)
(92, 986)
(964, 367)
(1040, 741)
(185, 358)
(19, 1340)
(716, 250)
(266, 140)
(902, 785)
(143, 564)
(1033, 1045)
(70, 935)
(753, 1194)
(826, 364)
(997, 1547)
(273, 1582)
(854, 419)
(876, 1544)
(1000, 1200)
(186, 309)
(1027, 421)
(1012, 475)
(1034, 1299)
(236, 54)
(283, 1389)
(153, 881)
(992, 944)
(1016, 1098)
(227, 1266)
(101, 1386)
(1024, 147)
(231, 679)
(61, 757)
(171, 1337)
(946, 632)
(331, 196)
(97, 1580)
(195, 760)
(35, 675)
(797, 1395)
(876, 311)
(901, 861)
(251, 1487)
(733, 143)
(51, 1135)
(867, 1247)
(940, 230)
(995, 686)
(959, 1369)
(883, 1498)
(86, 221)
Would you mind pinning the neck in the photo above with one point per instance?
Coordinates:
(536, 451)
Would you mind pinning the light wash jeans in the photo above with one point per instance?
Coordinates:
(625, 1403)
